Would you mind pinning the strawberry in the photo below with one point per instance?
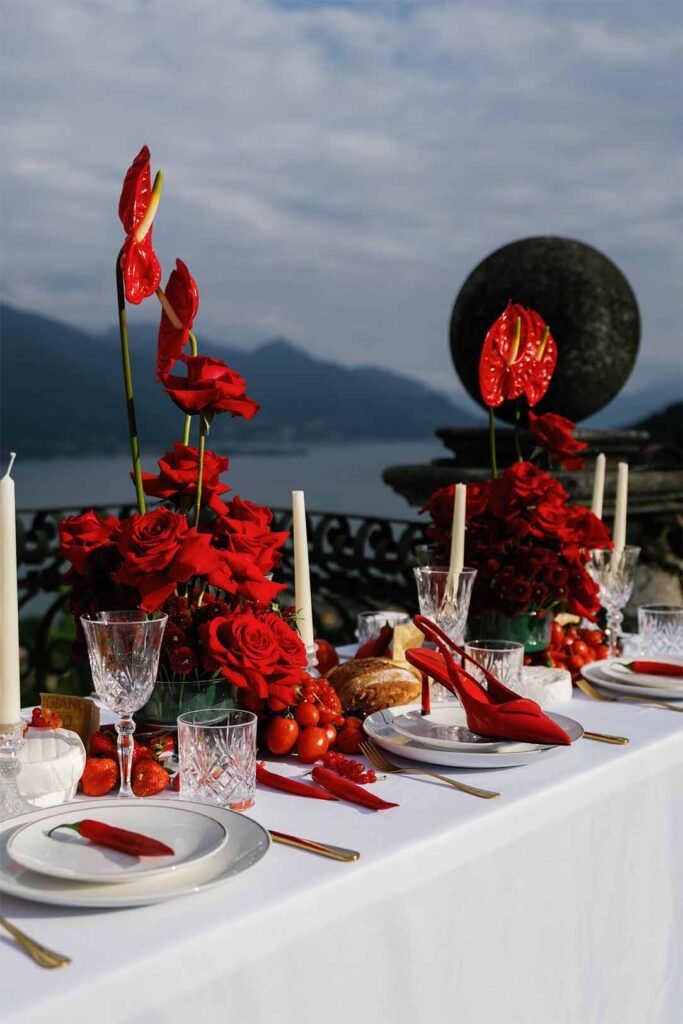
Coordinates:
(149, 778)
(175, 784)
(163, 748)
(100, 775)
(140, 753)
(102, 745)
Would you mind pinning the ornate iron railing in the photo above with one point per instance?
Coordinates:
(357, 563)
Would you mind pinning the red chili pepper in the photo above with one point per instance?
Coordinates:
(139, 264)
(518, 357)
(349, 790)
(287, 785)
(378, 645)
(120, 839)
(656, 668)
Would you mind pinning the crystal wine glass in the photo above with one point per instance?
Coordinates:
(447, 603)
(124, 649)
(614, 572)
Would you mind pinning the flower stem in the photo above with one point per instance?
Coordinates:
(492, 443)
(188, 418)
(128, 385)
(203, 431)
(518, 445)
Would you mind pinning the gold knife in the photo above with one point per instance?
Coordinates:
(604, 737)
(310, 846)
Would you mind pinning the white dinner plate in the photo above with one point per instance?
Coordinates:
(192, 836)
(445, 728)
(616, 669)
(595, 673)
(380, 729)
(249, 842)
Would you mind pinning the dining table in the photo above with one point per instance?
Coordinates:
(560, 902)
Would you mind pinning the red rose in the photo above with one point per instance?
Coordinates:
(243, 648)
(583, 594)
(247, 579)
(520, 485)
(80, 536)
(245, 530)
(160, 550)
(178, 471)
(139, 264)
(183, 297)
(210, 387)
(292, 650)
(554, 433)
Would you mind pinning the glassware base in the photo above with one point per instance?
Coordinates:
(11, 800)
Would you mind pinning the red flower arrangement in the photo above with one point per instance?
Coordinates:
(528, 543)
(205, 561)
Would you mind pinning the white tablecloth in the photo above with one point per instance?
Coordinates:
(560, 902)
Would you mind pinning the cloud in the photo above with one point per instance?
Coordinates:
(335, 170)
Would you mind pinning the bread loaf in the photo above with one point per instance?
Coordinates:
(365, 685)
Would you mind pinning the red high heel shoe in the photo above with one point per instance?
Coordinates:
(497, 712)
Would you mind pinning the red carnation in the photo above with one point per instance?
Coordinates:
(140, 267)
(83, 535)
(183, 298)
(182, 660)
(177, 479)
(554, 433)
(210, 387)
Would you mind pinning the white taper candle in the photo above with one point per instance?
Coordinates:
(619, 534)
(457, 560)
(302, 576)
(599, 485)
(10, 703)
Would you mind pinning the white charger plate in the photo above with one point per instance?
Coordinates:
(596, 673)
(249, 843)
(379, 728)
(445, 728)
(65, 854)
(616, 669)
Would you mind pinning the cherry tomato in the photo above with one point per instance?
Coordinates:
(580, 649)
(556, 635)
(327, 656)
(349, 740)
(281, 735)
(571, 635)
(312, 744)
(307, 714)
(592, 637)
(575, 662)
(601, 652)
(331, 734)
(352, 723)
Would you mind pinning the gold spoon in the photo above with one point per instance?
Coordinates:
(310, 846)
(43, 957)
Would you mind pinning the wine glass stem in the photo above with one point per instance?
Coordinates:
(125, 727)
(614, 621)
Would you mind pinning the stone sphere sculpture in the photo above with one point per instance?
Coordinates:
(582, 296)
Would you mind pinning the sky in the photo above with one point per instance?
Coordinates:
(333, 171)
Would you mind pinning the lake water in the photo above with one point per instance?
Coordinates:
(337, 478)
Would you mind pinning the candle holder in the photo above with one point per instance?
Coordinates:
(11, 742)
(312, 664)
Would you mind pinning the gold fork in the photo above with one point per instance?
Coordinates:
(42, 956)
(591, 691)
(377, 758)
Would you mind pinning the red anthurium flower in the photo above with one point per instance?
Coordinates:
(177, 317)
(545, 358)
(210, 387)
(518, 357)
(178, 471)
(140, 266)
(554, 433)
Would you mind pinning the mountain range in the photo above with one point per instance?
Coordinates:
(62, 394)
